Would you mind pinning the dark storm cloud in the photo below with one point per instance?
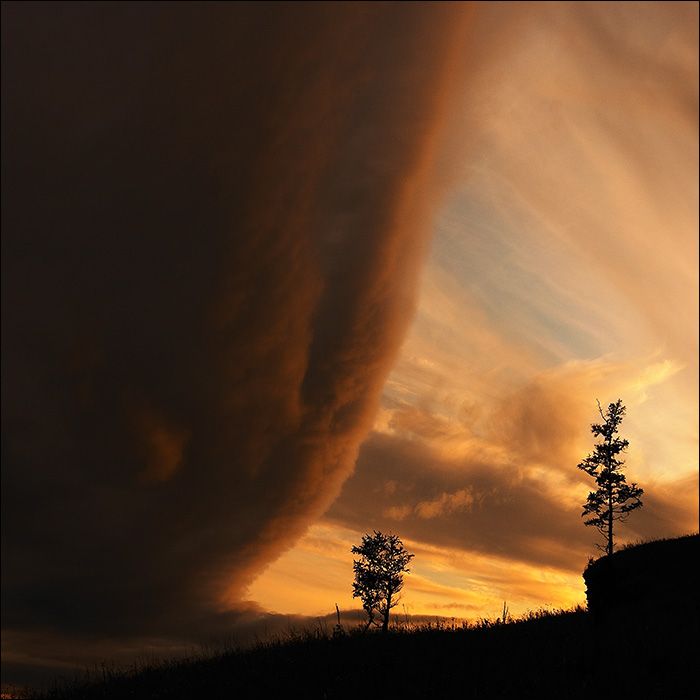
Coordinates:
(212, 225)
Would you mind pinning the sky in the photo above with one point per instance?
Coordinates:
(276, 275)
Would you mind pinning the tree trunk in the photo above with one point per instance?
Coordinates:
(608, 466)
(370, 619)
(610, 523)
(385, 623)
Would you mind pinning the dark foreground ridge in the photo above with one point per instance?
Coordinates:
(658, 578)
(648, 651)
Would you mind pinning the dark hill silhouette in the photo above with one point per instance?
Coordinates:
(659, 577)
(644, 654)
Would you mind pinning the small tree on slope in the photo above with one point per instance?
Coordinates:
(379, 575)
(614, 499)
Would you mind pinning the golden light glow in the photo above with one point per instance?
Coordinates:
(317, 573)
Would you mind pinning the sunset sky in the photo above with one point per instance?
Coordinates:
(275, 275)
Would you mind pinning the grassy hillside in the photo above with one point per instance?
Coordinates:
(564, 654)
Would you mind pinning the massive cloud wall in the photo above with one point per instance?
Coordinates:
(213, 219)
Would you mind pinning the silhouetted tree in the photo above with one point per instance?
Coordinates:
(614, 498)
(379, 575)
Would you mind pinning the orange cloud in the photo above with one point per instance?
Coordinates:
(447, 503)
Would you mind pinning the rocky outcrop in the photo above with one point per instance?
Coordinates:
(655, 578)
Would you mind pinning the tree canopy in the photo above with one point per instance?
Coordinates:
(379, 575)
